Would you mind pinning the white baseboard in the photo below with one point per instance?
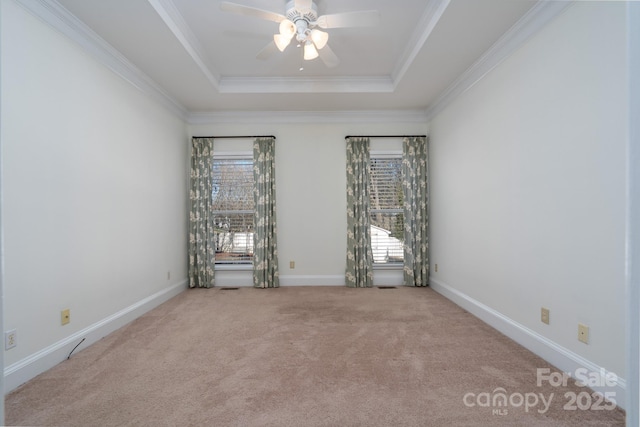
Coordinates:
(312, 280)
(22, 371)
(558, 356)
(387, 277)
(244, 279)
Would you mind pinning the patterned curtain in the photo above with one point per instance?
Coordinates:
(415, 187)
(265, 253)
(359, 273)
(201, 235)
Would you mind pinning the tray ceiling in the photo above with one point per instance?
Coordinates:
(204, 59)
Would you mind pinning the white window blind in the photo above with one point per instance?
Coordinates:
(233, 209)
(387, 218)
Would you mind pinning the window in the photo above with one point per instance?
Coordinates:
(233, 209)
(387, 218)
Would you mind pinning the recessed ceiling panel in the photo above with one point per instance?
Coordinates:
(233, 41)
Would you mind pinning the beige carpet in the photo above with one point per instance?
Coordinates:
(301, 356)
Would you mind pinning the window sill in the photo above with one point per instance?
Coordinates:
(394, 266)
(233, 267)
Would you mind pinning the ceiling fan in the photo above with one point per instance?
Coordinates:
(302, 21)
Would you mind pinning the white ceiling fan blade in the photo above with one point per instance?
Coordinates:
(303, 5)
(328, 57)
(363, 18)
(267, 51)
(251, 11)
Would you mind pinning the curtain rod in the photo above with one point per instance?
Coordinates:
(385, 136)
(236, 136)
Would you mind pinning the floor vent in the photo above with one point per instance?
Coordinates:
(228, 289)
(387, 287)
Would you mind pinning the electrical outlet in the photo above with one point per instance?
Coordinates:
(544, 315)
(583, 333)
(10, 339)
(65, 316)
(436, 268)
(292, 264)
(168, 275)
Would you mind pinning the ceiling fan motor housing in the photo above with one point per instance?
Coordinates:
(294, 15)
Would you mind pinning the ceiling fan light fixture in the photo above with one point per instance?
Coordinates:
(310, 51)
(320, 38)
(301, 19)
(287, 28)
(281, 41)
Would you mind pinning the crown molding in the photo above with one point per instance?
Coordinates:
(533, 21)
(55, 15)
(432, 14)
(252, 117)
(306, 85)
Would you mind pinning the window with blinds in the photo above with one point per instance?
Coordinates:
(387, 218)
(233, 210)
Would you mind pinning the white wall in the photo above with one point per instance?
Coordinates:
(94, 187)
(633, 221)
(1, 233)
(311, 197)
(528, 186)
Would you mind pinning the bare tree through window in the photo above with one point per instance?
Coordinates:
(233, 210)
